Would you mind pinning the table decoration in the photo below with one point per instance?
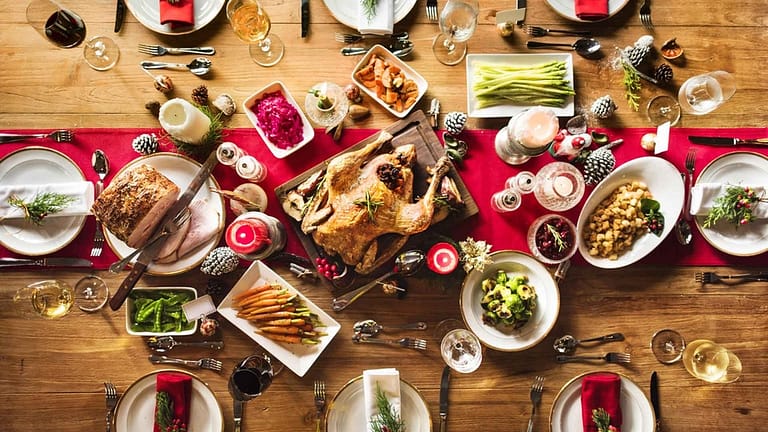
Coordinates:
(375, 16)
(343, 13)
(601, 402)
(35, 203)
(184, 121)
(172, 401)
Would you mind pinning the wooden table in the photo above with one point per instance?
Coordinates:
(51, 372)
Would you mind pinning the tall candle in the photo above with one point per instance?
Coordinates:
(184, 121)
(535, 128)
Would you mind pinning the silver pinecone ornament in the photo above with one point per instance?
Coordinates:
(638, 52)
(598, 165)
(220, 261)
(455, 122)
(603, 107)
(145, 144)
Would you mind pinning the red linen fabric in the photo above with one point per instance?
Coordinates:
(180, 14)
(179, 389)
(601, 390)
(591, 10)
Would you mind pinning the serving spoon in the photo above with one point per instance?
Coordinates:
(198, 66)
(370, 327)
(585, 47)
(568, 343)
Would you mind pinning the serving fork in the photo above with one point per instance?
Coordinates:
(406, 342)
(611, 357)
(690, 164)
(176, 223)
(712, 277)
(320, 400)
(157, 50)
(110, 394)
(203, 363)
(60, 136)
(537, 31)
(432, 10)
(537, 388)
(645, 15)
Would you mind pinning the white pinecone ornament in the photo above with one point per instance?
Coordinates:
(220, 261)
(455, 122)
(603, 107)
(598, 165)
(638, 52)
(145, 144)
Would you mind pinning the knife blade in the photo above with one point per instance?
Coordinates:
(304, 18)
(726, 141)
(521, 6)
(45, 262)
(237, 410)
(150, 253)
(119, 15)
(655, 400)
(444, 383)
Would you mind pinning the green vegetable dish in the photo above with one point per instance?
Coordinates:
(160, 311)
(507, 300)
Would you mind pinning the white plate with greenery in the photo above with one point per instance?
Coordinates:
(345, 11)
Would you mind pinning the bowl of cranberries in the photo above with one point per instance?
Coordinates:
(552, 239)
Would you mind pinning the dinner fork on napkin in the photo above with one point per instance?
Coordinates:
(387, 381)
(380, 20)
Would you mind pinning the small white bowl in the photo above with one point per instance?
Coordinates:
(307, 130)
(410, 73)
(130, 308)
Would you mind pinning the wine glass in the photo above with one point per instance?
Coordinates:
(667, 346)
(460, 348)
(91, 293)
(64, 28)
(458, 21)
(704, 93)
(662, 109)
(251, 23)
(47, 299)
(711, 362)
(250, 379)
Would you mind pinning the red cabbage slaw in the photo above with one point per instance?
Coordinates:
(279, 120)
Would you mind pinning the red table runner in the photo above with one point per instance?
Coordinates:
(483, 172)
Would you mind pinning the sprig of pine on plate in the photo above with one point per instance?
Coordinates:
(602, 420)
(735, 206)
(369, 8)
(42, 205)
(164, 414)
(386, 420)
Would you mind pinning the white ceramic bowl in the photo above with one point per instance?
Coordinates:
(130, 308)
(307, 130)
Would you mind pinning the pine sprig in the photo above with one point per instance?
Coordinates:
(632, 85)
(387, 419)
(370, 204)
(211, 139)
(163, 410)
(735, 206)
(602, 420)
(369, 8)
(42, 205)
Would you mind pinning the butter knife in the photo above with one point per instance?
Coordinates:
(304, 18)
(726, 141)
(444, 383)
(655, 400)
(45, 262)
(119, 15)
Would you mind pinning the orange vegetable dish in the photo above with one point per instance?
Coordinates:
(389, 83)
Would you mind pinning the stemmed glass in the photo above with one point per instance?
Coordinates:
(458, 21)
(64, 28)
(703, 359)
(251, 24)
(460, 348)
(250, 379)
(47, 299)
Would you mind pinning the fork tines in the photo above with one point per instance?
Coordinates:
(535, 31)
(98, 241)
(212, 364)
(645, 15)
(319, 390)
(150, 49)
(432, 10)
(419, 344)
(62, 135)
(703, 277)
(616, 357)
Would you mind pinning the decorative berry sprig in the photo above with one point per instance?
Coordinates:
(602, 420)
(735, 206)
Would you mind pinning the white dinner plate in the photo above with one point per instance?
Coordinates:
(665, 185)
(147, 12)
(31, 166)
(736, 168)
(181, 170)
(135, 411)
(345, 11)
(544, 315)
(346, 412)
(509, 110)
(636, 412)
(566, 8)
(296, 357)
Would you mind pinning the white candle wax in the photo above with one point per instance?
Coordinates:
(184, 121)
(536, 128)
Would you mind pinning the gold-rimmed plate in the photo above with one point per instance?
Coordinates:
(148, 14)
(567, 9)
(345, 12)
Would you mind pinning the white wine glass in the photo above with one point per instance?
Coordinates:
(460, 348)
(704, 93)
(711, 362)
(66, 29)
(46, 299)
(251, 24)
(458, 20)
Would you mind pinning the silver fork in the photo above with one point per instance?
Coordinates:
(157, 50)
(537, 31)
(645, 15)
(98, 241)
(111, 397)
(60, 136)
(432, 10)
(690, 164)
(175, 225)
(203, 363)
(537, 388)
(319, 402)
(406, 342)
(611, 357)
(357, 37)
(712, 277)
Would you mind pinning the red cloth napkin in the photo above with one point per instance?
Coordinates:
(591, 10)
(179, 388)
(181, 14)
(601, 390)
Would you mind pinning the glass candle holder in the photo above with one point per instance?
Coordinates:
(326, 104)
(559, 186)
(527, 134)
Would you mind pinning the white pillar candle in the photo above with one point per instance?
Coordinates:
(184, 121)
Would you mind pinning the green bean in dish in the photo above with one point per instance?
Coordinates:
(508, 300)
(160, 311)
(542, 84)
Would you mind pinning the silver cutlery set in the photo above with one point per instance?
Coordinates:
(366, 331)
(198, 66)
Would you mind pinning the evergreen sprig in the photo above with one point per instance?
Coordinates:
(370, 204)
(735, 206)
(387, 419)
(44, 204)
(632, 85)
(369, 8)
(163, 410)
(211, 139)
(557, 237)
(602, 420)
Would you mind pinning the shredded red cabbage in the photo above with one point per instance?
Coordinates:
(279, 120)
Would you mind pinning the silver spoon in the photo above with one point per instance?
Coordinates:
(406, 264)
(585, 47)
(163, 344)
(568, 343)
(370, 327)
(198, 66)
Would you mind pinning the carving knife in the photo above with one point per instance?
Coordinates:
(150, 253)
(444, 382)
(655, 400)
(726, 142)
(304, 18)
(45, 262)
(119, 15)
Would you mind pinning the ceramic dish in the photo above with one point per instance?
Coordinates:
(148, 14)
(130, 308)
(566, 9)
(665, 185)
(346, 412)
(296, 357)
(307, 130)
(509, 110)
(636, 411)
(38, 165)
(346, 13)
(135, 411)
(736, 168)
(544, 316)
(410, 73)
(180, 170)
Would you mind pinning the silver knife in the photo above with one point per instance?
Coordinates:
(655, 400)
(119, 15)
(45, 262)
(444, 382)
(725, 141)
(150, 253)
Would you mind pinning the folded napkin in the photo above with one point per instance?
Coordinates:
(591, 10)
(382, 21)
(82, 192)
(179, 388)
(388, 380)
(180, 14)
(601, 390)
(703, 197)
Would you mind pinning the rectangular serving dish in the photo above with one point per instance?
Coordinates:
(130, 308)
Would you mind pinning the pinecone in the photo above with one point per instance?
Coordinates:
(220, 261)
(145, 144)
(637, 54)
(663, 73)
(455, 122)
(603, 107)
(598, 165)
(200, 95)
(153, 107)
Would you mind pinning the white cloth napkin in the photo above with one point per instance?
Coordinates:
(383, 20)
(82, 192)
(703, 198)
(388, 381)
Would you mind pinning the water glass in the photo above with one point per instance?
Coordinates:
(559, 186)
(704, 93)
(458, 20)
(711, 362)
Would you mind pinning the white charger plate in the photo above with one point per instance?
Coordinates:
(147, 12)
(135, 411)
(345, 11)
(544, 316)
(346, 412)
(31, 166)
(636, 412)
(744, 168)
(566, 9)
(665, 185)
(509, 110)
(181, 170)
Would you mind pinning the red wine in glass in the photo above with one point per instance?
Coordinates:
(65, 29)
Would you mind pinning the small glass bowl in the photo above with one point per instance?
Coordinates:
(326, 116)
(540, 231)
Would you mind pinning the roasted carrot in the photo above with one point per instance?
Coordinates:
(287, 330)
(254, 290)
(288, 322)
(268, 309)
(291, 339)
(274, 301)
(264, 296)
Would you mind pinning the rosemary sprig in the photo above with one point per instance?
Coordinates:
(369, 8)
(44, 204)
(387, 420)
(370, 204)
(735, 206)
(632, 85)
(557, 237)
